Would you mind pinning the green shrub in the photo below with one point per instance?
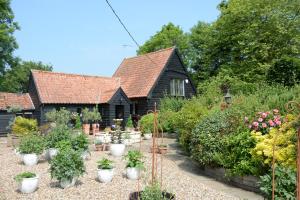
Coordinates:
(146, 123)
(105, 164)
(285, 183)
(19, 178)
(95, 115)
(23, 126)
(63, 145)
(66, 165)
(78, 124)
(80, 142)
(207, 138)
(31, 144)
(171, 104)
(60, 117)
(129, 123)
(56, 135)
(167, 121)
(134, 159)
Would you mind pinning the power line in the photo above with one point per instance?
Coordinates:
(131, 36)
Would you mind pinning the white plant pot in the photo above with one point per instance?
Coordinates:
(29, 185)
(105, 175)
(30, 159)
(52, 152)
(133, 173)
(117, 149)
(128, 142)
(147, 136)
(67, 183)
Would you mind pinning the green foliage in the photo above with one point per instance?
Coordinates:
(169, 35)
(8, 42)
(16, 79)
(19, 178)
(66, 165)
(63, 145)
(154, 192)
(129, 123)
(60, 117)
(57, 134)
(285, 71)
(31, 144)
(285, 183)
(171, 104)
(95, 115)
(236, 157)
(146, 123)
(105, 163)
(80, 142)
(86, 115)
(23, 126)
(207, 138)
(78, 124)
(134, 159)
(14, 109)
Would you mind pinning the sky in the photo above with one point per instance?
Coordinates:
(86, 38)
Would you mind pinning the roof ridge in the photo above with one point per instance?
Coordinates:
(153, 52)
(71, 74)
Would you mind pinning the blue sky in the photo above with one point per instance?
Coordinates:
(86, 38)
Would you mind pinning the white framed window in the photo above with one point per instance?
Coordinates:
(177, 87)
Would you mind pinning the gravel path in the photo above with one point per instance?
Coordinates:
(184, 187)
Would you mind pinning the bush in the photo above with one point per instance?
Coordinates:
(167, 121)
(56, 135)
(129, 123)
(207, 138)
(78, 124)
(134, 159)
(66, 165)
(146, 123)
(285, 183)
(95, 115)
(59, 117)
(80, 142)
(105, 164)
(23, 126)
(19, 178)
(31, 144)
(171, 104)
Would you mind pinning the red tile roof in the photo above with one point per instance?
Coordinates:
(61, 88)
(13, 99)
(139, 74)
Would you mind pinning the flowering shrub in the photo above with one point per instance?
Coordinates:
(283, 138)
(23, 126)
(264, 121)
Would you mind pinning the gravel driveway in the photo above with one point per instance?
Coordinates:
(88, 187)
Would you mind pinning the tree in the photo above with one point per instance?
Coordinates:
(7, 41)
(250, 34)
(16, 79)
(169, 35)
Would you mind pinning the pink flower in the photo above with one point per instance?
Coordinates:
(278, 122)
(260, 119)
(271, 123)
(264, 115)
(255, 124)
(264, 125)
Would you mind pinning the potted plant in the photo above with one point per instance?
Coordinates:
(129, 125)
(95, 118)
(105, 170)
(57, 134)
(127, 139)
(117, 147)
(99, 146)
(134, 164)
(27, 181)
(147, 134)
(80, 143)
(66, 167)
(30, 147)
(86, 117)
(152, 192)
(162, 148)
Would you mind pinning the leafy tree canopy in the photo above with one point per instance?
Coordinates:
(7, 41)
(16, 79)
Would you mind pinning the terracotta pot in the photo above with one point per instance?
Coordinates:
(95, 128)
(99, 147)
(86, 128)
(162, 150)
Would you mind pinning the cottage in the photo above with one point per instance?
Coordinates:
(135, 87)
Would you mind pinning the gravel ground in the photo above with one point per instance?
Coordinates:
(88, 187)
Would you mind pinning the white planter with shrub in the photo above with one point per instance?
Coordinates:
(52, 152)
(105, 170)
(117, 149)
(27, 182)
(30, 159)
(147, 136)
(133, 173)
(66, 183)
(134, 164)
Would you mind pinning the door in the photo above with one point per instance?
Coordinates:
(119, 112)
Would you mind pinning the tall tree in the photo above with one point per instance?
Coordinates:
(250, 35)
(169, 35)
(16, 79)
(7, 41)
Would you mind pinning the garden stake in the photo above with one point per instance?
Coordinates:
(273, 169)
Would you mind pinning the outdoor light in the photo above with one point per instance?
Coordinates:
(186, 81)
(227, 97)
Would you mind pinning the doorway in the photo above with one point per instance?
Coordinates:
(119, 112)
